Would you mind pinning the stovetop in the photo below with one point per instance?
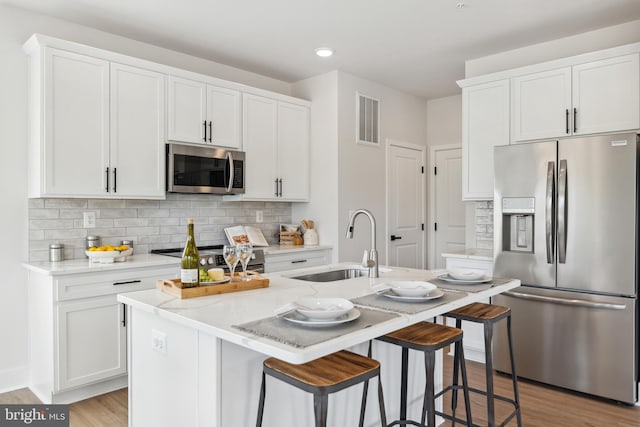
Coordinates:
(212, 255)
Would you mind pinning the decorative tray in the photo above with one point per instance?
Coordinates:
(174, 286)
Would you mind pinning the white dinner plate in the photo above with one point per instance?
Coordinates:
(465, 274)
(435, 294)
(448, 278)
(298, 318)
(217, 282)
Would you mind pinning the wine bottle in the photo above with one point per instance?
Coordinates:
(189, 272)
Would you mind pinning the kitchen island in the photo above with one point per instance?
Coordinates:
(190, 364)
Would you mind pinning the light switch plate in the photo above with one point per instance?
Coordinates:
(259, 216)
(89, 219)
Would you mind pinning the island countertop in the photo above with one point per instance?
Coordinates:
(215, 315)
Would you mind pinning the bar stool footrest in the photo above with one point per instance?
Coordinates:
(404, 423)
(484, 393)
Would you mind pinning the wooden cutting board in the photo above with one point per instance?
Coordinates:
(173, 286)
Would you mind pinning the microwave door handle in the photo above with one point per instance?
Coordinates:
(549, 212)
(562, 212)
(231, 168)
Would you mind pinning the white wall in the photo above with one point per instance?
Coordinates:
(361, 167)
(16, 26)
(323, 207)
(603, 38)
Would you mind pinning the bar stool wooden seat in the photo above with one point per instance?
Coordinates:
(428, 338)
(322, 377)
(488, 315)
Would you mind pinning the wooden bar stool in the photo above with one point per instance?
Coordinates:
(428, 338)
(322, 377)
(488, 315)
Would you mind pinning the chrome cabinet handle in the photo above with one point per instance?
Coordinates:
(549, 212)
(573, 302)
(562, 212)
(231, 172)
(276, 193)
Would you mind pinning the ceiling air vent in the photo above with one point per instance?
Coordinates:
(368, 120)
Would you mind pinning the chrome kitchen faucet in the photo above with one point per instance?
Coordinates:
(370, 258)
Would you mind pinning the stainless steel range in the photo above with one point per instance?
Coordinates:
(211, 257)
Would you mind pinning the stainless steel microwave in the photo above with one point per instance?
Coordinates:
(192, 169)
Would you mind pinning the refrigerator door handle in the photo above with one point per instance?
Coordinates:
(562, 212)
(572, 302)
(549, 214)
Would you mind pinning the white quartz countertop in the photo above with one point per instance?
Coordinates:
(471, 253)
(216, 314)
(278, 249)
(83, 265)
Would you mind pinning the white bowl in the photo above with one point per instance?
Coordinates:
(412, 288)
(323, 308)
(107, 257)
(465, 274)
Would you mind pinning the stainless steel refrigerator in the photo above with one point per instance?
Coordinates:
(566, 225)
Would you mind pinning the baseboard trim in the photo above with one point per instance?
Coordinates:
(14, 378)
(81, 393)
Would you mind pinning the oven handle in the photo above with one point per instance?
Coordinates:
(573, 302)
(231, 169)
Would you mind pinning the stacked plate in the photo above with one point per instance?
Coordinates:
(321, 311)
(465, 276)
(411, 290)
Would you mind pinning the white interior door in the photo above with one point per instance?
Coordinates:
(405, 219)
(449, 218)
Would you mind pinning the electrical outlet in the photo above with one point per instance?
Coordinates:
(89, 219)
(259, 217)
(158, 341)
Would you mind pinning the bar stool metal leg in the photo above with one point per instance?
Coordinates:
(488, 336)
(404, 375)
(383, 413)
(454, 391)
(261, 402)
(465, 390)
(428, 407)
(514, 377)
(320, 406)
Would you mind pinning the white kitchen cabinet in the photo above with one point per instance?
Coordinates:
(593, 97)
(293, 259)
(96, 127)
(77, 331)
(276, 143)
(137, 156)
(202, 113)
(485, 124)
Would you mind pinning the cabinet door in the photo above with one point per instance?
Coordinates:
(186, 110)
(541, 105)
(137, 133)
(223, 111)
(606, 95)
(485, 124)
(293, 151)
(91, 341)
(76, 136)
(260, 144)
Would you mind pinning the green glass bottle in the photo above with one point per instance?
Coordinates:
(189, 272)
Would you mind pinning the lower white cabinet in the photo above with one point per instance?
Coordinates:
(298, 259)
(473, 340)
(77, 331)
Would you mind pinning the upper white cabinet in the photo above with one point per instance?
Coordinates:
(593, 97)
(485, 124)
(276, 143)
(202, 113)
(96, 128)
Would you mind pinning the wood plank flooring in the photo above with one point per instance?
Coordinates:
(541, 406)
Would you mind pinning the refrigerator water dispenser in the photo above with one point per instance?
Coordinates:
(517, 222)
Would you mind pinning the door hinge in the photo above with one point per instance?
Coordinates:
(422, 169)
(422, 227)
(435, 170)
(435, 226)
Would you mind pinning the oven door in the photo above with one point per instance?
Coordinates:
(192, 169)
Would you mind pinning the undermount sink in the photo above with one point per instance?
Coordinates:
(333, 275)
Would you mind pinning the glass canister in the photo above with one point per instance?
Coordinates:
(56, 252)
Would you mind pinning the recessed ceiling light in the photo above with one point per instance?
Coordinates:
(324, 52)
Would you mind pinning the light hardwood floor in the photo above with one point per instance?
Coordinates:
(541, 406)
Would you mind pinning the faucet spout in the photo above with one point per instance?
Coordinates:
(370, 259)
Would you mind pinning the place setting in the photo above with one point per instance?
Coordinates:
(406, 296)
(312, 320)
(466, 280)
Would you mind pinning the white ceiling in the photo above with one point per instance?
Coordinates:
(417, 46)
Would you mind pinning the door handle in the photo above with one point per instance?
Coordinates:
(563, 301)
(549, 212)
(394, 237)
(562, 212)
(231, 171)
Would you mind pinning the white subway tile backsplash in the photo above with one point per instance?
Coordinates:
(151, 224)
(484, 224)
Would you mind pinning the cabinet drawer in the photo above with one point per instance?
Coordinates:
(91, 285)
(291, 261)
